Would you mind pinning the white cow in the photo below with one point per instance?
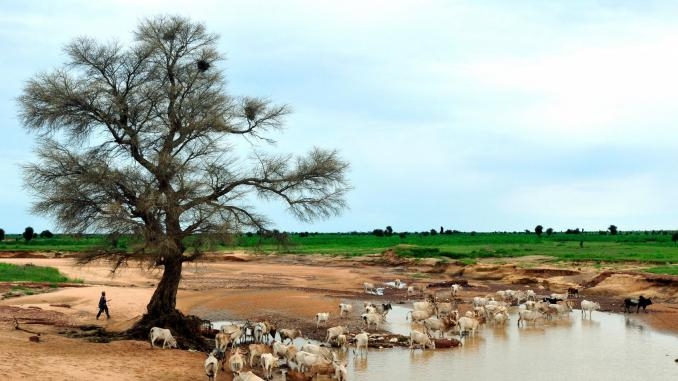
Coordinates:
(317, 350)
(369, 287)
(334, 332)
(530, 316)
(424, 306)
(361, 342)
(421, 339)
(441, 325)
(342, 342)
(268, 362)
(372, 318)
(468, 324)
(500, 318)
(306, 360)
(456, 288)
(589, 306)
(321, 317)
(530, 295)
(340, 372)
(345, 309)
(211, 365)
(560, 309)
(163, 334)
(418, 315)
(279, 349)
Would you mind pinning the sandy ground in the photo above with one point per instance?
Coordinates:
(288, 290)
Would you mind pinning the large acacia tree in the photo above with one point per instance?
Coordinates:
(140, 139)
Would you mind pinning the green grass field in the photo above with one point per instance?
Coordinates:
(31, 273)
(655, 249)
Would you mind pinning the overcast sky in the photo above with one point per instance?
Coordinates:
(471, 115)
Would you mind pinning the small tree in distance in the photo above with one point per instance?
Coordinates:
(538, 230)
(2, 235)
(28, 234)
(549, 231)
(46, 234)
(674, 237)
(612, 229)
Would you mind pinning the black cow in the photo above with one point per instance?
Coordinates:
(551, 300)
(638, 303)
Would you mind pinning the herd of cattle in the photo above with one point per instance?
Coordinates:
(262, 347)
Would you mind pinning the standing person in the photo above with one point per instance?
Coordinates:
(103, 306)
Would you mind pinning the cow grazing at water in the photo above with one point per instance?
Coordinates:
(589, 306)
(639, 303)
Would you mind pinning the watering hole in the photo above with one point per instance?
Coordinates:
(607, 346)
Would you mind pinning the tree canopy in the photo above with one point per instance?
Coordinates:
(141, 139)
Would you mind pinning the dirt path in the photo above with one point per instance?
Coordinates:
(289, 290)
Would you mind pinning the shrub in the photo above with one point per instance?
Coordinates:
(46, 234)
(538, 230)
(549, 231)
(2, 235)
(378, 232)
(28, 234)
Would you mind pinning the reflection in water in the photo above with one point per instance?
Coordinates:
(360, 363)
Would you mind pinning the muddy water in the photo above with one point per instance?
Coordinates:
(605, 347)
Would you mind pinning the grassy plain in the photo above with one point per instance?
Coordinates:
(655, 249)
(31, 273)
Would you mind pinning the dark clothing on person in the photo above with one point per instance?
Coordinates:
(103, 307)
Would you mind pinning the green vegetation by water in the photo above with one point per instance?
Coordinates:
(31, 273)
(656, 249)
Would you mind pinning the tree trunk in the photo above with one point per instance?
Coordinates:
(164, 299)
(161, 311)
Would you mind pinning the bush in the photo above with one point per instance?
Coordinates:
(378, 232)
(28, 234)
(538, 230)
(2, 235)
(46, 234)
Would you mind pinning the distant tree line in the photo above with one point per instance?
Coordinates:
(29, 234)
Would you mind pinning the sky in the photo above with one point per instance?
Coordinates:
(471, 115)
